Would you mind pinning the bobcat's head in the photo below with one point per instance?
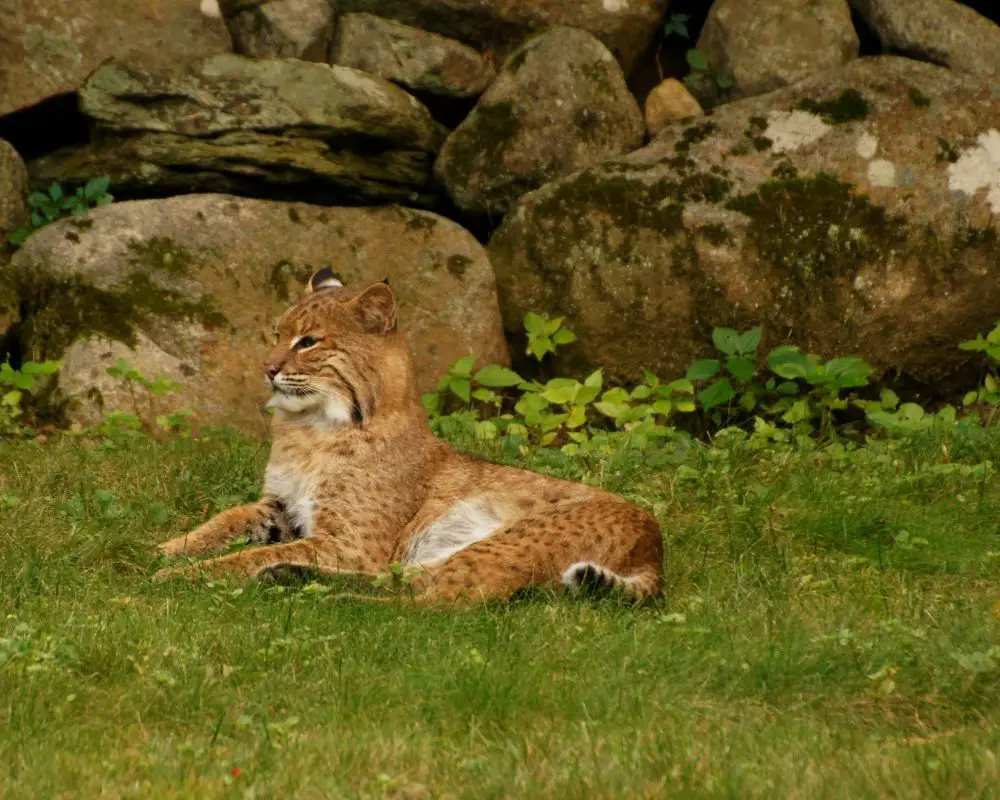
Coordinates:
(333, 350)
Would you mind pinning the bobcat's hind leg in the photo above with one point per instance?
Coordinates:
(600, 543)
(264, 522)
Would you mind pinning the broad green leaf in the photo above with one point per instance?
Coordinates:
(534, 323)
(538, 346)
(563, 336)
(743, 369)
(552, 325)
(703, 369)
(586, 394)
(611, 409)
(750, 341)
(663, 407)
(595, 379)
(641, 392)
(697, 60)
(11, 398)
(727, 340)
(788, 388)
(561, 390)
(788, 362)
(970, 398)
(979, 343)
(461, 387)
(748, 401)
(681, 386)
(799, 412)
(55, 192)
(717, 394)
(463, 367)
(96, 187)
(888, 399)
(497, 377)
(577, 416)
(993, 337)
(684, 406)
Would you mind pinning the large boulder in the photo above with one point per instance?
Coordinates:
(273, 127)
(13, 185)
(766, 44)
(625, 26)
(559, 104)
(280, 28)
(940, 31)
(855, 212)
(190, 287)
(50, 46)
(416, 59)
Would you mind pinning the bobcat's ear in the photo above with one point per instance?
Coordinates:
(325, 278)
(375, 309)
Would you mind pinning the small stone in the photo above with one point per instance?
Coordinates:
(280, 28)
(763, 45)
(669, 102)
(410, 57)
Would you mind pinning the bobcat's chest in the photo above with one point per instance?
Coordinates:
(296, 491)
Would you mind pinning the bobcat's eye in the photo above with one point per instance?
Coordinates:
(304, 342)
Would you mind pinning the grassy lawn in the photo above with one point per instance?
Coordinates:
(830, 629)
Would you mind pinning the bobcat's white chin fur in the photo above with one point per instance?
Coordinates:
(328, 411)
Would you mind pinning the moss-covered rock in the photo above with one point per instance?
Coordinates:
(626, 28)
(280, 28)
(845, 232)
(276, 128)
(558, 104)
(415, 59)
(190, 286)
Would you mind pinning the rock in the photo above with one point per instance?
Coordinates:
(625, 26)
(413, 58)
(668, 102)
(766, 44)
(558, 104)
(13, 188)
(280, 28)
(190, 286)
(940, 31)
(50, 47)
(855, 212)
(277, 128)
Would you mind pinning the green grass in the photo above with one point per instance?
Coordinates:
(829, 630)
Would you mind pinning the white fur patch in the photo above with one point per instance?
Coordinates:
(296, 491)
(466, 523)
(320, 411)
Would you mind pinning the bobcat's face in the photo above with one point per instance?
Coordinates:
(325, 362)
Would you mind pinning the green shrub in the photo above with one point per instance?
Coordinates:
(47, 207)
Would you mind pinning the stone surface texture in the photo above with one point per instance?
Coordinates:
(190, 287)
(413, 58)
(558, 104)
(669, 101)
(268, 127)
(48, 47)
(625, 26)
(766, 44)
(280, 28)
(855, 212)
(940, 31)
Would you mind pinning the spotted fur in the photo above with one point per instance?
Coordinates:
(356, 481)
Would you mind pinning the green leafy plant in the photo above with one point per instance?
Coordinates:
(14, 385)
(55, 203)
(987, 396)
(144, 391)
(545, 334)
(676, 25)
(703, 76)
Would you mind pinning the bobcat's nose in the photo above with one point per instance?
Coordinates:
(271, 370)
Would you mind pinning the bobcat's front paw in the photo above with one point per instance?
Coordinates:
(175, 547)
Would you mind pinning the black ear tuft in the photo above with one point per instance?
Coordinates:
(385, 281)
(325, 278)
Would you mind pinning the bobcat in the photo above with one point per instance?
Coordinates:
(356, 481)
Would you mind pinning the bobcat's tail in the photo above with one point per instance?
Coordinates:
(586, 576)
